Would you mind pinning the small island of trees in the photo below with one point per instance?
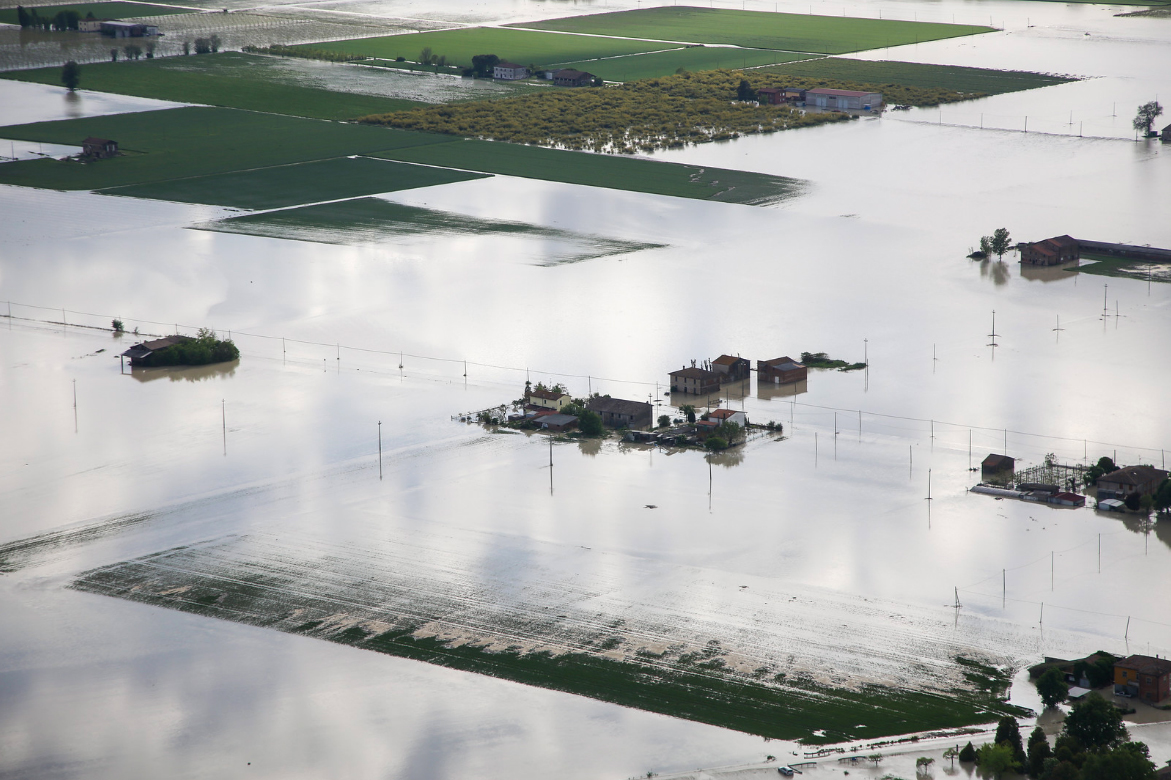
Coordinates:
(202, 350)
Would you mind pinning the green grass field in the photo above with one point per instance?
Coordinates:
(600, 170)
(228, 79)
(760, 30)
(911, 74)
(291, 185)
(459, 46)
(657, 64)
(99, 10)
(186, 142)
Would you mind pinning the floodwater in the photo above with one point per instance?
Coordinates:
(830, 529)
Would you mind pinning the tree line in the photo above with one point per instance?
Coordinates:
(61, 21)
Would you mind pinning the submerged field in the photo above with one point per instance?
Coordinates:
(567, 635)
(227, 79)
(666, 63)
(598, 170)
(755, 29)
(371, 220)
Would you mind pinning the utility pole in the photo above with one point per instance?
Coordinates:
(224, 422)
(380, 449)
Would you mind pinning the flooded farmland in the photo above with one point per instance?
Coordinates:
(844, 551)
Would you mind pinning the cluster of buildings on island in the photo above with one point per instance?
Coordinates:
(714, 374)
(545, 408)
(998, 475)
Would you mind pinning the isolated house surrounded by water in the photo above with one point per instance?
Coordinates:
(509, 71)
(732, 369)
(1143, 676)
(722, 416)
(547, 399)
(1051, 251)
(847, 99)
(99, 148)
(780, 371)
(619, 413)
(998, 468)
(695, 381)
(1142, 480)
(143, 350)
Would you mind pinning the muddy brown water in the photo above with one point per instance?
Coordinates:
(284, 445)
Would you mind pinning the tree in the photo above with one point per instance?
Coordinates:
(1104, 466)
(986, 245)
(952, 753)
(71, 75)
(1064, 770)
(23, 17)
(133, 51)
(425, 56)
(688, 411)
(150, 50)
(1130, 761)
(113, 55)
(214, 42)
(483, 64)
(1096, 724)
(1001, 241)
(1008, 732)
(202, 46)
(118, 326)
(968, 754)
(186, 47)
(875, 757)
(745, 91)
(1039, 750)
(714, 442)
(664, 420)
(589, 423)
(1147, 113)
(1052, 688)
(996, 759)
(923, 763)
(1163, 496)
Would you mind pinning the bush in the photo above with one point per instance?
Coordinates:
(664, 420)
(968, 754)
(589, 423)
(715, 443)
(117, 325)
(71, 75)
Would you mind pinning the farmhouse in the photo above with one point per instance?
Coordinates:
(567, 77)
(780, 371)
(842, 99)
(546, 399)
(1143, 480)
(731, 369)
(619, 413)
(998, 468)
(509, 71)
(99, 148)
(1051, 251)
(696, 381)
(141, 351)
(1143, 676)
(1165, 136)
(90, 25)
(116, 29)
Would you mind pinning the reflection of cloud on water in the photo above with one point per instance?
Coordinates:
(185, 373)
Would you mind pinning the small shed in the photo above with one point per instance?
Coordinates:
(1111, 505)
(558, 422)
(847, 99)
(998, 468)
(99, 148)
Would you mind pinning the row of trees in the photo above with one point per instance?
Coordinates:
(62, 20)
(1093, 745)
(996, 244)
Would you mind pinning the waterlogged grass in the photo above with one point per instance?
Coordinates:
(598, 170)
(228, 79)
(759, 30)
(99, 10)
(459, 46)
(291, 185)
(183, 143)
(695, 686)
(694, 58)
(1139, 270)
(372, 219)
(883, 75)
